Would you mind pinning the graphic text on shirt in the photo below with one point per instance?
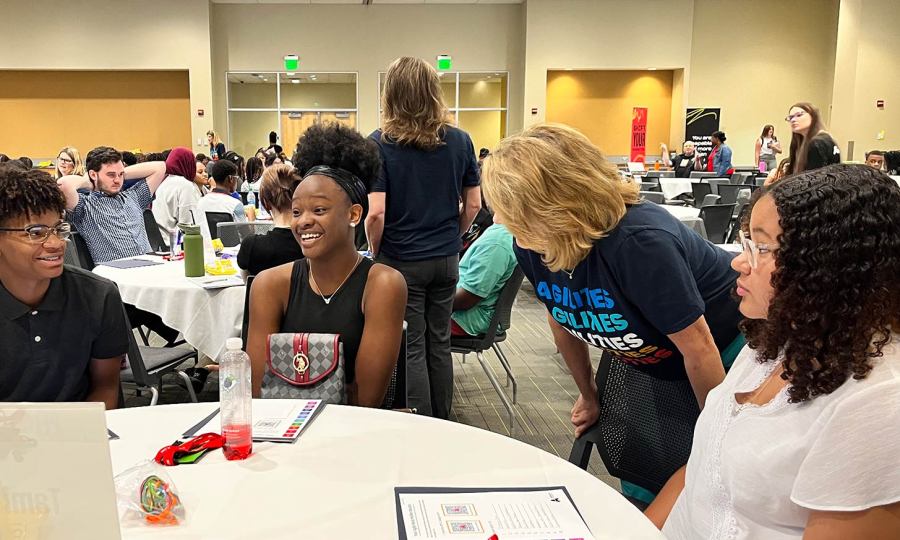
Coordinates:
(586, 314)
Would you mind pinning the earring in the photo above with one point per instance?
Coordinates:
(353, 224)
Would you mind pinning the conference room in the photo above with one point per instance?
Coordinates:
(450, 269)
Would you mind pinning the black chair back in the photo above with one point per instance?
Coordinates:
(730, 192)
(645, 428)
(702, 174)
(233, 233)
(153, 234)
(653, 196)
(396, 395)
(243, 195)
(214, 218)
(736, 224)
(700, 190)
(716, 218)
(81, 251)
(650, 186)
(714, 183)
(134, 357)
(245, 324)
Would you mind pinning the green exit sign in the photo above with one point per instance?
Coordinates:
(291, 62)
(444, 62)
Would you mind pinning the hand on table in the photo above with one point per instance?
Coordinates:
(585, 413)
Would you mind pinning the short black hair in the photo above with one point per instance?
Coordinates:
(28, 193)
(869, 153)
(221, 170)
(27, 162)
(340, 147)
(100, 156)
(719, 135)
(155, 156)
(201, 158)
(129, 158)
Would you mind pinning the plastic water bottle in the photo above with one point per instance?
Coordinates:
(251, 199)
(235, 401)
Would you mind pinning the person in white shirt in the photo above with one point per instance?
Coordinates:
(181, 190)
(802, 438)
(222, 179)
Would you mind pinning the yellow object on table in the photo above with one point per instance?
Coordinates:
(221, 267)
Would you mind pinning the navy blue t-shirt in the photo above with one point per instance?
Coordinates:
(422, 193)
(650, 277)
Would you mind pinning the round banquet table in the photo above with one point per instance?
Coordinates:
(337, 480)
(688, 215)
(206, 318)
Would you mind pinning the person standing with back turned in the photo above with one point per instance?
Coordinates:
(415, 221)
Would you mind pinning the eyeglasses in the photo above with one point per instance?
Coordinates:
(38, 234)
(791, 117)
(752, 250)
(65, 160)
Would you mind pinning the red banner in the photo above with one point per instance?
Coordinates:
(638, 134)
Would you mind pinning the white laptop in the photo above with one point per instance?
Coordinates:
(55, 472)
(635, 166)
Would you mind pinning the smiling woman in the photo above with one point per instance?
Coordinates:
(334, 290)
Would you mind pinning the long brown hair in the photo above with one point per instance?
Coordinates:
(413, 109)
(800, 142)
(766, 129)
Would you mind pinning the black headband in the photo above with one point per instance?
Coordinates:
(348, 181)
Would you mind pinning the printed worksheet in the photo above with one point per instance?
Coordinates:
(508, 513)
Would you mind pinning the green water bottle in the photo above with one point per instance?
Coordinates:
(193, 250)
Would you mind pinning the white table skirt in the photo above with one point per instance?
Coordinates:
(673, 187)
(337, 480)
(206, 317)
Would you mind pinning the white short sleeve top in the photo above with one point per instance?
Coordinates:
(758, 471)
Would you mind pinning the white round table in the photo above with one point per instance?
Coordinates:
(337, 481)
(688, 215)
(206, 317)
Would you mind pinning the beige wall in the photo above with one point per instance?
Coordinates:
(603, 35)
(867, 69)
(600, 104)
(255, 37)
(754, 79)
(162, 34)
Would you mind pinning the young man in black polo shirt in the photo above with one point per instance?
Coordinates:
(62, 330)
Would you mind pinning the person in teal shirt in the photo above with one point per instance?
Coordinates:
(483, 271)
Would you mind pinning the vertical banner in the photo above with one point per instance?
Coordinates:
(699, 125)
(638, 134)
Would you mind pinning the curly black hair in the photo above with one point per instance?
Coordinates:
(836, 298)
(340, 147)
(28, 193)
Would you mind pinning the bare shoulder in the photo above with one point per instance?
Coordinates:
(274, 280)
(382, 276)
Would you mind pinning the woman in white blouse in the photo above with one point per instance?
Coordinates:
(802, 438)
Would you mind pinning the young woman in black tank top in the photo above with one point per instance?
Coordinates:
(334, 289)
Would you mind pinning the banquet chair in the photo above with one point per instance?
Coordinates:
(730, 193)
(660, 174)
(147, 365)
(491, 340)
(232, 233)
(736, 224)
(214, 218)
(80, 256)
(696, 175)
(716, 218)
(714, 183)
(699, 190)
(710, 200)
(645, 428)
(653, 196)
(650, 186)
(740, 177)
(156, 240)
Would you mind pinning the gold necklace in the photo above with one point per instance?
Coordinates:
(318, 291)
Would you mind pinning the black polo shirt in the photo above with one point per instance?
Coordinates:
(45, 353)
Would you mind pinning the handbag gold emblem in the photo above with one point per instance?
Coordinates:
(301, 363)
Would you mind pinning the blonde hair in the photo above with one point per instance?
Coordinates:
(555, 192)
(216, 140)
(276, 188)
(73, 154)
(413, 109)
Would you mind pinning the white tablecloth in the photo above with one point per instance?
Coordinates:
(672, 187)
(337, 480)
(688, 215)
(205, 317)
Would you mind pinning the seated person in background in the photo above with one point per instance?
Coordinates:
(203, 158)
(223, 179)
(111, 219)
(253, 175)
(802, 438)
(201, 178)
(334, 289)
(683, 163)
(179, 191)
(483, 271)
(278, 246)
(875, 159)
(62, 331)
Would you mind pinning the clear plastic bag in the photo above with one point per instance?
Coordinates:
(146, 496)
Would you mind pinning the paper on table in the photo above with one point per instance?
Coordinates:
(275, 420)
(510, 513)
(131, 263)
(217, 282)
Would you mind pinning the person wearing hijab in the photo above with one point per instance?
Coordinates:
(178, 191)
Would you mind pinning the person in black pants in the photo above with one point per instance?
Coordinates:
(426, 196)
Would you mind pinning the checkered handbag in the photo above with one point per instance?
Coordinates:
(305, 366)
